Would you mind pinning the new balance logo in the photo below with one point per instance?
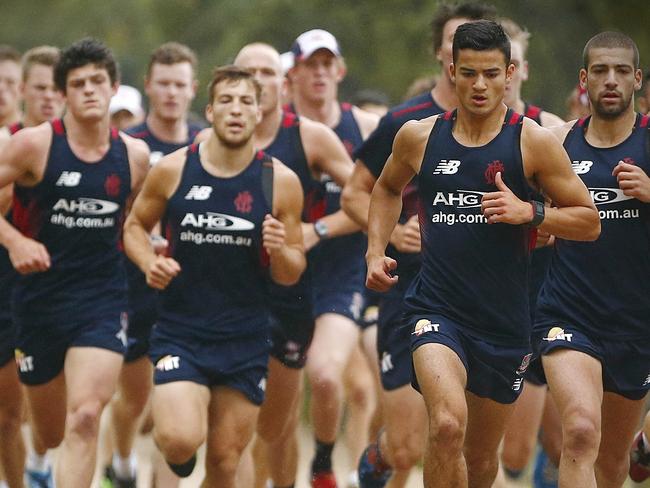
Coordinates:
(168, 363)
(386, 362)
(262, 384)
(516, 386)
(581, 167)
(447, 167)
(647, 381)
(69, 178)
(199, 193)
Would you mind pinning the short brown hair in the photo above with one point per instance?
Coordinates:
(8, 53)
(449, 11)
(516, 33)
(172, 53)
(232, 74)
(45, 55)
(610, 40)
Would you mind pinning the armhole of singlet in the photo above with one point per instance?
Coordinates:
(517, 120)
(431, 140)
(267, 180)
(572, 131)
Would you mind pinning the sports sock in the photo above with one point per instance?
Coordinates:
(323, 458)
(38, 463)
(125, 468)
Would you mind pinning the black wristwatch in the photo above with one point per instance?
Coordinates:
(321, 229)
(538, 213)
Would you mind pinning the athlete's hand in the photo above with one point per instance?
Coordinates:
(309, 236)
(273, 234)
(29, 256)
(633, 181)
(406, 237)
(159, 243)
(544, 239)
(379, 276)
(503, 206)
(160, 271)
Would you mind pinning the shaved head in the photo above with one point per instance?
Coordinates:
(258, 49)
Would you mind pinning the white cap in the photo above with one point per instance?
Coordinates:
(287, 61)
(127, 98)
(311, 41)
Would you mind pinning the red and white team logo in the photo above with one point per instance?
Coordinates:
(244, 202)
(112, 185)
(491, 172)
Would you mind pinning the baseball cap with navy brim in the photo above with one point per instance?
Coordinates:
(127, 98)
(311, 41)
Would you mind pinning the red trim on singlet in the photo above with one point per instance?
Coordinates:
(57, 126)
(448, 115)
(346, 107)
(582, 121)
(414, 108)
(644, 121)
(289, 120)
(259, 154)
(140, 135)
(15, 127)
(114, 133)
(514, 120)
(533, 111)
(193, 147)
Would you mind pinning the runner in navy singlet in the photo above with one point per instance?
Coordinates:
(170, 85)
(309, 149)
(210, 344)
(401, 444)
(467, 308)
(591, 326)
(72, 182)
(336, 263)
(9, 86)
(42, 102)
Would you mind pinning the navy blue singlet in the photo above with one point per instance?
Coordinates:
(474, 273)
(287, 147)
(214, 229)
(602, 287)
(375, 151)
(77, 212)
(142, 298)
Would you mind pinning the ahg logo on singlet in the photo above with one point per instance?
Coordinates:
(581, 167)
(86, 206)
(216, 221)
(447, 167)
(199, 193)
(601, 196)
(69, 178)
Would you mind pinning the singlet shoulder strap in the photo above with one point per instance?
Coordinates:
(533, 112)
(267, 177)
(58, 127)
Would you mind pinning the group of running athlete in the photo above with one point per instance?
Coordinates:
(186, 276)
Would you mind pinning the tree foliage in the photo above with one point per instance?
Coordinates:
(386, 43)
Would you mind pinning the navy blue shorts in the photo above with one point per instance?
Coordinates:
(7, 341)
(370, 311)
(238, 363)
(625, 364)
(493, 371)
(291, 335)
(139, 332)
(393, 343)
(339, 276)
(41, 350)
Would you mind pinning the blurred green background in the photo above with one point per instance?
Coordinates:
(386, 43)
